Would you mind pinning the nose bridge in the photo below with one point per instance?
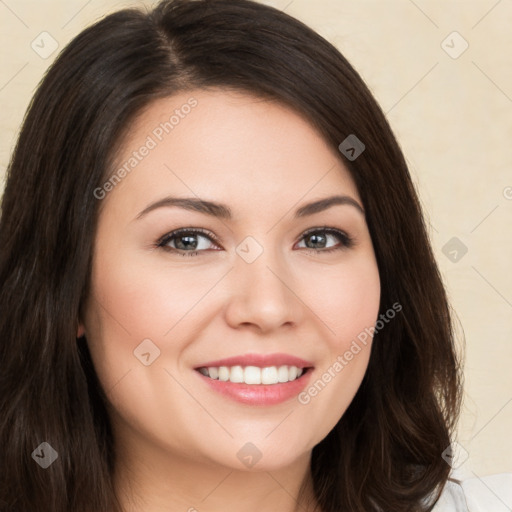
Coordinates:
(260, 266)
(262, 293)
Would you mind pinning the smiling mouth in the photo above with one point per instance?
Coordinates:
(254, 375)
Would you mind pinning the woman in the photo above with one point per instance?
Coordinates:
(301, 357)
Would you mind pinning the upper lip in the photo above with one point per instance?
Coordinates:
(259, 360)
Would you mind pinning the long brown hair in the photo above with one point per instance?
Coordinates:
(385, 452)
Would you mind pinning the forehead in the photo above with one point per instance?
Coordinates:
(233, 147)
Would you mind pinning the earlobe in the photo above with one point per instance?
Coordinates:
(80, 331)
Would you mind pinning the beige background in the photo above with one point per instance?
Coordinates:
(453, 117)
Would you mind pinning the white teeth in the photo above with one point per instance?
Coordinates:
(269, 375)
(224, 373)
(236, 374)
(253, 374)
(282, 374)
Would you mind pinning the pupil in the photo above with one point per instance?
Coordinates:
(315, 238)
(188, 244)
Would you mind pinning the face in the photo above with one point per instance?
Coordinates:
(273, 294)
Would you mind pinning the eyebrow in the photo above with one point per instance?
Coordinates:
(223, 211)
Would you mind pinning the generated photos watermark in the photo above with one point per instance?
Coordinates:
(343, 360)
(151, 142)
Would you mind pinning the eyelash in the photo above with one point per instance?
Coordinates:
(347, 241)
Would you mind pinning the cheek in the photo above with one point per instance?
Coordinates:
(348, 304)
(132, 303)
(347, 300)
(146, 299)
(138, 298)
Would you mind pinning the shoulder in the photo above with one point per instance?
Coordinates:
(478, 494)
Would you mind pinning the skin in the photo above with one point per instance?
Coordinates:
(176, 438)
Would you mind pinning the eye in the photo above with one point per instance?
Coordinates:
(185, 242)
(320, 236)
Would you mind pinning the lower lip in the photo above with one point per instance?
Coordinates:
(259, 394)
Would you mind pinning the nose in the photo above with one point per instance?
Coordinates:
(263, 295)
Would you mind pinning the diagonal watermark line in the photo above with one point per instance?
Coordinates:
(494, 288)
(491, 80)
(305, 194)
(413, 87)
(118, 381)
(292, 411)
(199, 301)
(433, 227)
(13, 77)
(424, 13)
(76, 14)
(199, 403)
(300, 300)
(285, 490)
(217, 486)
(3, 3)
(112, 316)
(508, 508)
(287, 5)
(506, 403)
(484, 218)
(492, 8)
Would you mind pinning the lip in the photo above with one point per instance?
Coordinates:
(259, 360)
(259, 394)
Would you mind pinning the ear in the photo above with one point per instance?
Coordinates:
(80, 331)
